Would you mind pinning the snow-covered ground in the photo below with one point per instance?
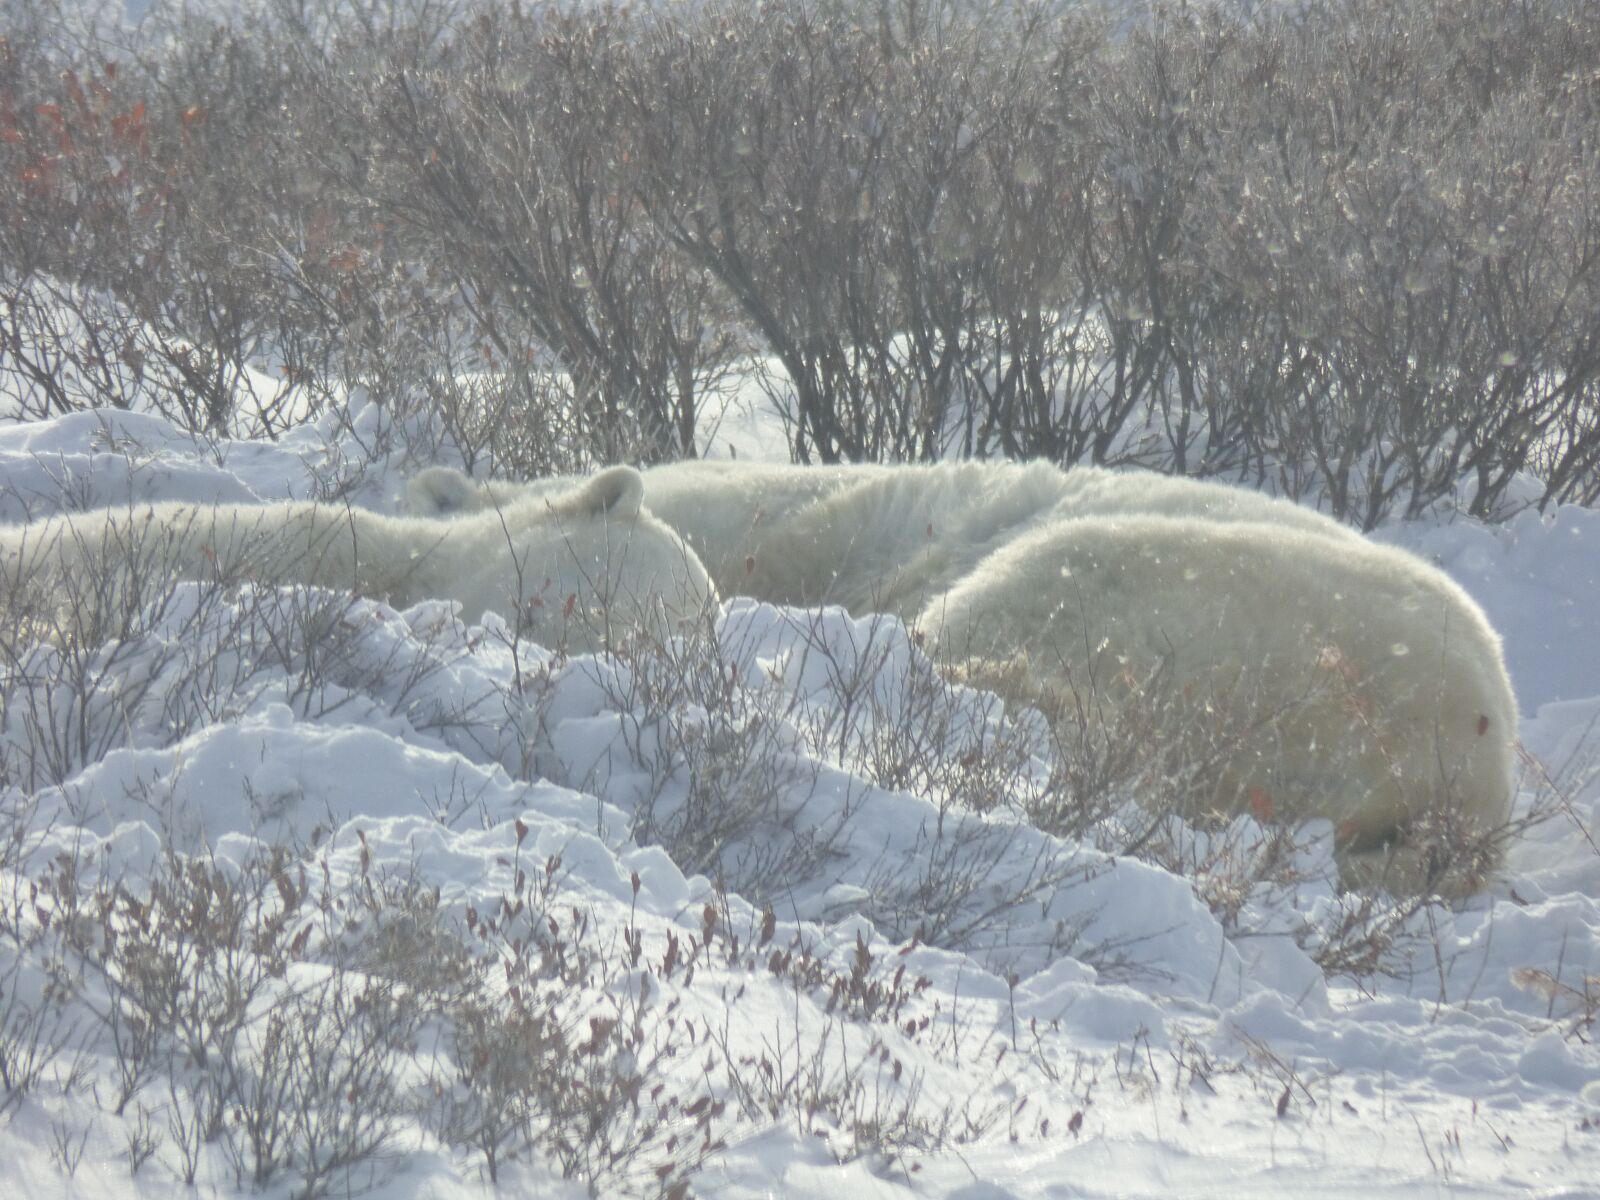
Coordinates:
(1068, 1023)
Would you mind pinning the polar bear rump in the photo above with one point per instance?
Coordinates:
(1341, 679)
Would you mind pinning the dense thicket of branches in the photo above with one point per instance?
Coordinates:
(1350, 245)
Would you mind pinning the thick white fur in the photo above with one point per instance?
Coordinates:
(729, 513)
(875, 538)
(591, 543)
(1371, 687)
(1367, 686)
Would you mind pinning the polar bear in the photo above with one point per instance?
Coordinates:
(572, 568)
(869, 537)
(1357, 682)
(902, 536)
(728, 512)
(1345, 679)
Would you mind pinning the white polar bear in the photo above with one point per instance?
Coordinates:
(874, 538)
(727, 511)
(1347, 680)
(1372, 689)
(570, 568)
(903, 536)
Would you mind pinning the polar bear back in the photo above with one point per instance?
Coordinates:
(875, 537)
(725, 511)
(865, 536)
(736, 514)
(899, 535)
(1097, 492)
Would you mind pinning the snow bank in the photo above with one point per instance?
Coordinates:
(1062, 1018)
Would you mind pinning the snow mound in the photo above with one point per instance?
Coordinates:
(773, 891)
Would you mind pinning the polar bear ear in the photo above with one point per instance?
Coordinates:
(439, 492)
(615, 492)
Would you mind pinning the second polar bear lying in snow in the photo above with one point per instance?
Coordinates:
(571, 568)
(1352, 681)
(873, 538)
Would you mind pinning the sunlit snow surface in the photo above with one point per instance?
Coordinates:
(1116, 1040)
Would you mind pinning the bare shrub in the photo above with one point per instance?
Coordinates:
(144, 180)
(285, 1018)
(1344, 248)
(182, 965)
(731, 766)
(1046, 372)
(727, 781)
(762, 156)
(203, 976)
(1576, 1006)
(863, 1105)
(509, 154)
(321, 1089)
(37, 1025)
(118, 646)
(845, 1080)
(557, 1045)
(1407, 233)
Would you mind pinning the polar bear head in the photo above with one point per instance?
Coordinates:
(580, 564)
(583, 566)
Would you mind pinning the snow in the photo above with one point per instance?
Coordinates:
(1088, 1027)
(1537, 577)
